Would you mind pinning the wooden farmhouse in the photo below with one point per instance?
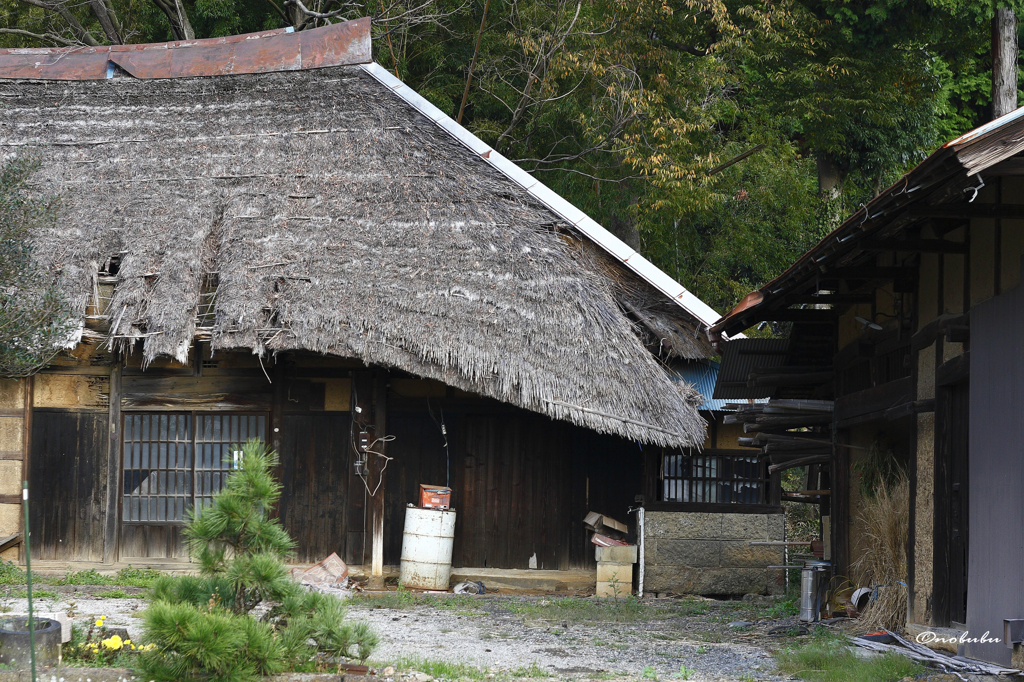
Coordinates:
(271, 236)
(914, 306)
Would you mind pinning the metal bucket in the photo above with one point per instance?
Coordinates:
(427, 548)
(812, 582)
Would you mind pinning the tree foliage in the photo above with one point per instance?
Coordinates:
(35, 319)
(203, 626)
(627, 106)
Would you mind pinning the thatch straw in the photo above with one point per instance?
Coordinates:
(883, 521)
(332, 217)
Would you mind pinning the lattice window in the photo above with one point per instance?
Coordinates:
(713, 477)
(176, 461)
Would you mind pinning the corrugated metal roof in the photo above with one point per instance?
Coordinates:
(739, 358)
(702, 374)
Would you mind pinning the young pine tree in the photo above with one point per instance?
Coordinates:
(204, 627)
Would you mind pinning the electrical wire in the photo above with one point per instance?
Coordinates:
(444, 432)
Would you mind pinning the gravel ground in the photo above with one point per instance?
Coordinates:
(495, 639)
(519, 635)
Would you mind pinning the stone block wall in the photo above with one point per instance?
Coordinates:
(710, 554)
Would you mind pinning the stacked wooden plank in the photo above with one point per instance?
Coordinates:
(789, 433)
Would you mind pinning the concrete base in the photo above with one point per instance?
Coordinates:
(510, 579)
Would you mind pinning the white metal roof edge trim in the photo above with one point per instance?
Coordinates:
(552, 200)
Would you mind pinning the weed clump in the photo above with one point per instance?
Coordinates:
(205, 628)
(828, 657)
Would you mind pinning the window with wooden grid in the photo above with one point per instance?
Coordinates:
(713, 477)
(175, 461)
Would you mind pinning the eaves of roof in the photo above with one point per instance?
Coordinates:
(580, 221)
(941, 178)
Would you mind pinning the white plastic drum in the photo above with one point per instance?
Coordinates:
(427, 548)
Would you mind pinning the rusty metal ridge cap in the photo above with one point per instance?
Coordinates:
(839, 241)
(342, 44)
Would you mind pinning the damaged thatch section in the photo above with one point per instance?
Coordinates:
(327, 215)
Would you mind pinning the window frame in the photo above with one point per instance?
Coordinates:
(194, 470)
(768, 484)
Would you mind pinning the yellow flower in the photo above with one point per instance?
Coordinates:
(113, 643)
(99, 623)
(133, 647)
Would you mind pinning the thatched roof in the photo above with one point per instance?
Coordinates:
(324, 213)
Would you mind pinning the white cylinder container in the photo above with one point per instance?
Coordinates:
(427, 548)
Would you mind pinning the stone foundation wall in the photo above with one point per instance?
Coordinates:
(710, 554)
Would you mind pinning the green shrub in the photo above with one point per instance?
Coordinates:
(202, 626)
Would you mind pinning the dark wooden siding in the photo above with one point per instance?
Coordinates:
(68, 484)
(323, 501)
(521, 484)
(996, 501)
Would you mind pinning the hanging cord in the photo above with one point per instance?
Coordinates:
(444, 432)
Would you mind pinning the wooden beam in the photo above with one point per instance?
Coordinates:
(14, 413)
(10, 499)
(909, 408)
(795, 315)
(833, 299)
(872, 403)
(927, 334)
(916, 245)
(870, 272)
(954, 370)
(110, 520)
(17, 455)
(10, 541)
(967, 211)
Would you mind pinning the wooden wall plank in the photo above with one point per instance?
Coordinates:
(67, 449)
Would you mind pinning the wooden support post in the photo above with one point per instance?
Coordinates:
(110, 518)
(363, 414)
(26, 444)
(377, 464)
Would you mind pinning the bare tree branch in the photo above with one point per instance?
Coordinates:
(99, 9)
(321, 15)
(59, 6)
(42, 37)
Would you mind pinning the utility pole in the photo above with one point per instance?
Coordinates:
(1004, 62)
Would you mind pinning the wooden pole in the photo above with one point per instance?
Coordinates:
(364, 415)
(1004, 62)
(110, 519)
(377, 463)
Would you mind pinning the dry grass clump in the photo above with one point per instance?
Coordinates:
(884, 521)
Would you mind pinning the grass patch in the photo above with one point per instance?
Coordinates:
(531, 671)
(404, 599)
(442, 670)
(11, 574)
(113, 594)
(828, 658)
(576, 609)
(126, 577)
